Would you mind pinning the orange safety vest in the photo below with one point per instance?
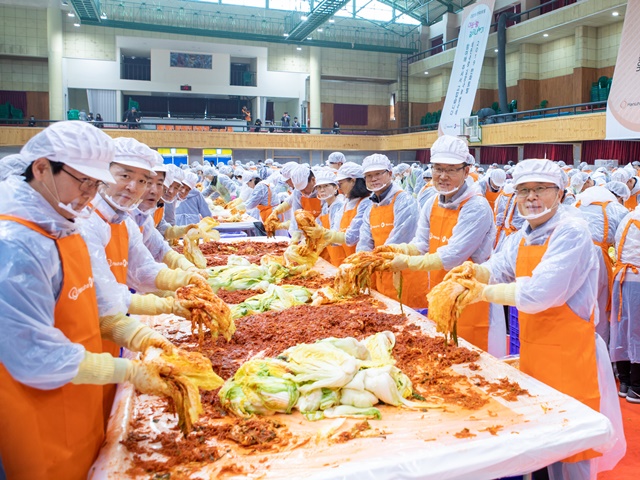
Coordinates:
(51, 434)
(158, 215)
(312, 205)
(623, 267)
(558, 347)
(265, 210)
(345, 221)
(414, 284)
(473, 323)
(491, 197)
(335, 253)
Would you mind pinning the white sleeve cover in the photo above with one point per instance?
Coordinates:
(142, 269)
(405, 219)
(352, 235)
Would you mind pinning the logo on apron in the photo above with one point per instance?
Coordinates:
(75, 292)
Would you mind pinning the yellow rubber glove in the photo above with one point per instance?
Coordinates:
(147, 378)
(295, 238)
(153, 305)
(317, 231)
(173, 233)
(334, 237)
(100, 369)
(169, 279)
(173, 259)
(500, 293)
(405, 248)
(428, 262)
(480, 273)
(132, 334)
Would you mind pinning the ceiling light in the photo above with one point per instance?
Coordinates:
(103, 16)
(304, 18)
(545, 35)
(320, 30)
(309, 38)
(298, 48)
(331, 20)
(71, 14)
(495, 50)
(285, 34)
(615, 14)
(76, 24)
(426, 73)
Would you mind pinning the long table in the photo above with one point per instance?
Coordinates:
(505, 437)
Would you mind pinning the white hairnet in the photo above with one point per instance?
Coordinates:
(178, 175)
(595, 194)
(190, 179)
(376, 162)
(350, 170)
(175, 172)
(10, 165)
(209, 171)
(561, 164)
(585, 167)
(427, 173)
(286, 170)
(336, 157)
(268, 161)
(498, 177)
(395, 170)
(226, 170)
(403, 167)
(132, 153)
(621, 175)
(300, 176)
(539, 170)
(79, 145)
(325, 176)
(248, 175)
(160, 166)
(578, 181)
(451, 150)
(619, 189)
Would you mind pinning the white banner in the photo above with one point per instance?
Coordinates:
(623, 105)
(467, 65)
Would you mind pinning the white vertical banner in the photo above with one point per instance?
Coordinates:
(467, 65)
(623, 104)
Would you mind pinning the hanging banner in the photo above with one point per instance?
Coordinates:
(467, 65)
(623, 105)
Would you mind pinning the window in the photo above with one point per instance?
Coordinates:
(392, 108)
(436, 45)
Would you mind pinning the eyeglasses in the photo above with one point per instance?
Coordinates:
(525, 192)
(87, 185)
(446, 171)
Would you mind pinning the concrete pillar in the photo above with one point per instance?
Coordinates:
(55, 46)
(257, 107)
(315, 70)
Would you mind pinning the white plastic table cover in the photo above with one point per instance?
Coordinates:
(247, 224)
(535, 431)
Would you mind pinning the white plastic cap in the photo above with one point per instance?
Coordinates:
(326, 176)
(300, 176)
(178, 174)
(621, 175)
(350, 170)
(132, 153)
(268, 161)
(248, 175)
(376, 162)
(403, 167)
(336, 157)
(539, 170)
(498, 177)
(578, 181)
(429, 174)
(287, 168)
(620, 189)
(11, 165)
(79, 145)
(175, 173)
(450, 150)
(190, 179)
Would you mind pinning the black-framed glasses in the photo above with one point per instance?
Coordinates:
(86, 184)
(446, 171)
(525, 192)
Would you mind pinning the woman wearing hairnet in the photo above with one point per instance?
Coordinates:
(549, 271)
(491, 185)
(191, 206)
(603, 214)
(455, 226)
(332, 204)
(346, 232)
(52, 370)
(620, 190)
(391, 218)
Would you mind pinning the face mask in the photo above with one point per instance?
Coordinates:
(117, 206)
(535, 216)
(69, 207)
(449, 192)
(325, 196)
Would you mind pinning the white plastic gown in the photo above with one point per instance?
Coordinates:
(405, 219)
(425, 195)
(419, 181)
(624, 343)
(296, 204)
(335, 213)
(152, 238)
(507, 214)
(471, 238)
(352, 234)
(567, 273)
(168, 218)
(595, 220)
(224, 187)
(142, 269)
(192, 209)
(32, 349)
(245, 194)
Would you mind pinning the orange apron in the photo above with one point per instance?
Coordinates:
(632, 203)
(604, 246)
(312, 205)
(427, 185)
(265, 210)
(335, 253)
(473, 323)
(558, 347)
(491, 197)
(55, 434)
(158, 215)
(624, 266)
(414, 284)
(345, 221)
(474, 175)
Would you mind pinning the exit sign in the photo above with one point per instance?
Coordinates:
(186, 88)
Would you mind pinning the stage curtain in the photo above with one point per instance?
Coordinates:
(423, 156)
(551, 151)
(622, 150)
(499, 155)
(351, 114)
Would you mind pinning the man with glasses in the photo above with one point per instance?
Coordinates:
(455, 226)
(549, 271)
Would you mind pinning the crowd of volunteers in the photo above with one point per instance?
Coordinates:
(85, 222)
